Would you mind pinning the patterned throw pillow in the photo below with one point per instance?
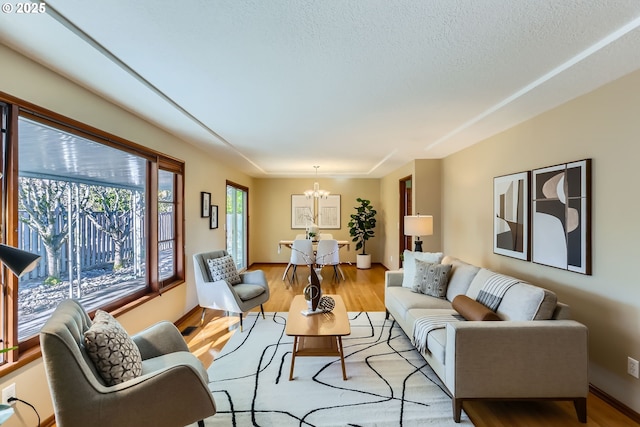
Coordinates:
(114, 354)
(431, 279)
(409, 264)
(224, 268)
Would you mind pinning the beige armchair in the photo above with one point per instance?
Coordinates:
(252, 291)
(172, 390)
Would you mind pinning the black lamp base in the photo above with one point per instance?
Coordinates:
(418, 244)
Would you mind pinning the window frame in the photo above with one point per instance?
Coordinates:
(29, 349)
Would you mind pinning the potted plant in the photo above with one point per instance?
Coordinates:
(361, 229)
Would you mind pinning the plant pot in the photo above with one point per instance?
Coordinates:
(363, 262)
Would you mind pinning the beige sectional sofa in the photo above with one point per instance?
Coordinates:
(534, 352)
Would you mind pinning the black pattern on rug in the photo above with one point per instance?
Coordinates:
(389, 383)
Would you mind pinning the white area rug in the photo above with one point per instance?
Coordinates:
(389, 383)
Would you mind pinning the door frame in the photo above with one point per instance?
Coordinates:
(405, 206)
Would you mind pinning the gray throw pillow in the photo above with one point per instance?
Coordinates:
(114, 354)
(409, 264)
(431, 279)
(224, 268)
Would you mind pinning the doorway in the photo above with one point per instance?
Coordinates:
(406, 208)
(237, 224)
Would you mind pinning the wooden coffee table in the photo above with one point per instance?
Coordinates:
(318, 334)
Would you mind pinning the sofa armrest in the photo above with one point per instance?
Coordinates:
(393, 278)
(161, 338)
(218, 294)
(530, 359)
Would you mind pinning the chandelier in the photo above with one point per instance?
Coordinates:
(316, 192)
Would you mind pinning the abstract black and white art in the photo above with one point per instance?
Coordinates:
(561, 231)
(511, 215)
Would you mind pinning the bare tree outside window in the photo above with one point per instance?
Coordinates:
(87, 222)
(111, 211)
(45, 202)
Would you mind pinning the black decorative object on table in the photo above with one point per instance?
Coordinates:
(313, 292)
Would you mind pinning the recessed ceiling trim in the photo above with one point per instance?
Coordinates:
(51, 11)
(625, 29)
(381, 162)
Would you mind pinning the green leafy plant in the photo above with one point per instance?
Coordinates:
(362, 224)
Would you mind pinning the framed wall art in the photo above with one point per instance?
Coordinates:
(329, 212)
(213, 220)
(205, 204)
(561, 221)
(511, 215)
(302, 213)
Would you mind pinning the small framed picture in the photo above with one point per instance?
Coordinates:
(213, 220)
(205, 204)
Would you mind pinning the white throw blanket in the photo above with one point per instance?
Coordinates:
(494, 289)
(426, 324)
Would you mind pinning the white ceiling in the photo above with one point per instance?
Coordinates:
(358, 87)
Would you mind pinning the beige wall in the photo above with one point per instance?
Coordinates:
(26, 80)
(604, 126)
(427, 187)
(271, 221)
(427, 199)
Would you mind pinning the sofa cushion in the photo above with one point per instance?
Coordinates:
(399, 300)
(461, 276)
(480, 280)
(112, 351)
(409, 264)
(472, 310)
(522, 301)
(527, 302)
(247, 291)
(431, 279)
(494, 289)
(437, 338)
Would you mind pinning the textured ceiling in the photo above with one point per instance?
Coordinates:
(358, 87)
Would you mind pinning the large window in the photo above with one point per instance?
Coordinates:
(166, 224)
(102, 212)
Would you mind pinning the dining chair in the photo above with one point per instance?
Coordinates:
(328, 253)
(301, 254)
(325, 236)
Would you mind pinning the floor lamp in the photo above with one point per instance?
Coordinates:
(418, 225)
(19, 262)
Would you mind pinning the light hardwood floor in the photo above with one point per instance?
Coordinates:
(363, 290)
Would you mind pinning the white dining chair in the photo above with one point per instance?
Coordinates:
(301, 254)
(328, 253)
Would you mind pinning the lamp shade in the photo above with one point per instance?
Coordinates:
(17, 260)
(418, 225)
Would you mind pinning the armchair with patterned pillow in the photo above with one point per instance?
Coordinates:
(220, 286)
(98, 375)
